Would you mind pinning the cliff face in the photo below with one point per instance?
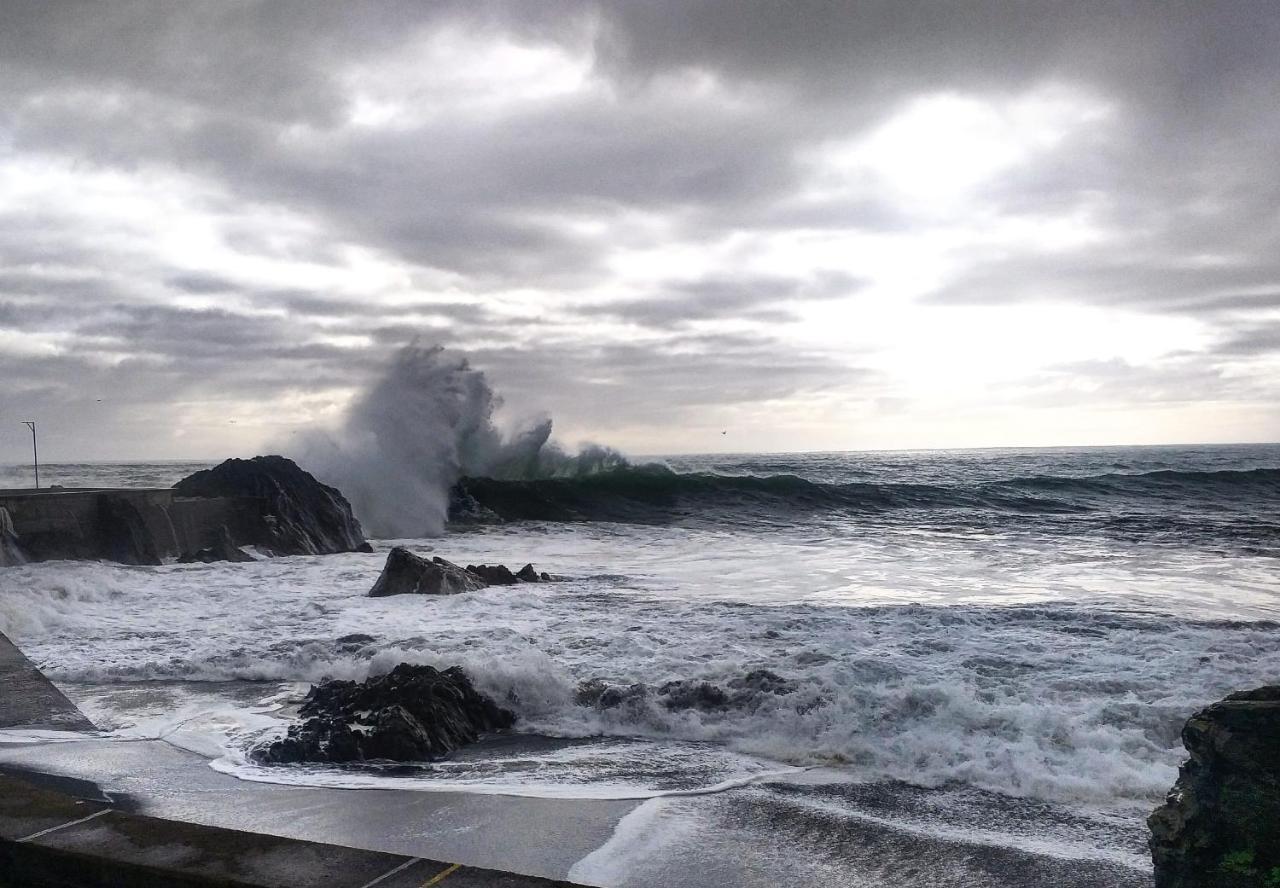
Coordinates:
(300, 515)
(1220, 826)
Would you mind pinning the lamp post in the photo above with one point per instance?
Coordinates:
(35, 454)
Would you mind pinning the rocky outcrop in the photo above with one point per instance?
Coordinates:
(224, 549)
(412, 714)
(745, 693)
(1220, 825)
(408, 574)
(493, 574)
(501, 575)
(300, 515)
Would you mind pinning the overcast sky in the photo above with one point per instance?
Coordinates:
(808, 225)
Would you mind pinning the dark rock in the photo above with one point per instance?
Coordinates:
(614, 696)
(408, 574)
(1220, 825)
(501, 575)
(223, 550)
(123, 534)
(687, 694)
(300, 515)
(747, 692)
(365, 548)
(493, 574)
(589, 691)
(412, 714)
(355, 638)
(763, 681)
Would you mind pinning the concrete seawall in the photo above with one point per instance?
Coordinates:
(134, 526)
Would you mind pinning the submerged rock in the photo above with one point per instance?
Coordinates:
(494, 574)
(300, 515)
(746, 692)
(224, 549)
(501, 575)
(529, 575)
(412, 714)
(408, 574)
(1220, 825)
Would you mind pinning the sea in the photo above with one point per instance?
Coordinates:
(993, 650)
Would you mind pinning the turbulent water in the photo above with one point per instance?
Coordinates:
(1021, 632)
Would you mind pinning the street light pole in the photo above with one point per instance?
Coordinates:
(35, 454)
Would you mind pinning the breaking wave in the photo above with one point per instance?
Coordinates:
(426, 422)
(1174, 502)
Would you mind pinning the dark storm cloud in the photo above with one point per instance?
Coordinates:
(616, 384)
(726, 297)
(700, 115)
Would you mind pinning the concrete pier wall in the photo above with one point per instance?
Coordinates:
(129, 526)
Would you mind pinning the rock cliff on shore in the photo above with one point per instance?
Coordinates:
(301, 516)
(412, 714)
(1220, 826)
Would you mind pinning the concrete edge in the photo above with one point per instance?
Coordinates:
(88, 843)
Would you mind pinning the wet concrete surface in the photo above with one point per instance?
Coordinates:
(543, 837)
(29, 701)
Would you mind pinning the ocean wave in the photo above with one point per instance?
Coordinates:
(656, 494)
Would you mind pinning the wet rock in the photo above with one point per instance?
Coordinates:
(355, 638)
(412, 714)
(762, 680)
(300, 516)
(501, 575)
(494, 574)
(746, 692)
(223, 550)
(614, 696)
(408, 574)
(685, 694)
(1220, 825)
(530, 575)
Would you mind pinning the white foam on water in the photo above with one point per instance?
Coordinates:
(1062, 681)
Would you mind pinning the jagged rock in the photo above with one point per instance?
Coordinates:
(355, 639)
(493, 574)
(529, 575)
(223, 550)
(1220, 825)
(762, 681)
(408, 574)
(123, 534)
(686, 694)
(412, 714)
(10, 552)
(301, 516)
(501, 575)
(743, 693)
